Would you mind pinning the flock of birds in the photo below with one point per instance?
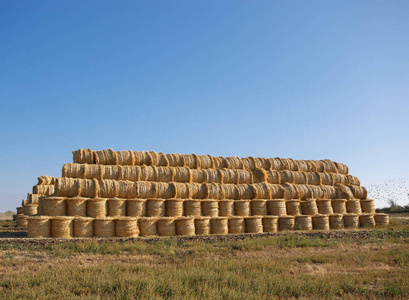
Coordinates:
(393, 192)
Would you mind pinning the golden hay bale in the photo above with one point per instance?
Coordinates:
(136, 207)
(185, 226)
(339, 206)
(68, 187)
(351, 221)
(336, 221)
(352, 180)
(249, 163)
(259, 175)
(92, 172)
(155, 208)
(205, 161)
(88, 187)
(214, 191)
(243, 176)
(179, 174)
(359, 192)
(293, 207)
(202, 226)
(210, 208)
(261, 191)
(219, 225)
(105, 157)
(178, 190)
(234, 162)
(258, 207)
(276, 207)
(381, 219)
(73, 170)
(270, 223)
(83, 227)
(46, 180)
(237, 225)
(273, 176)
(226, 208)
(190, 160)
(22, 220)
(166, 226)
(174, 207)
(108, 188)
(320, 222)
(20, 210)
(286, 223)
(309, 207)
(329, 192)
(213, 175)
(43, 189)
(116, 207)
(83, 156)
(97, 208)
(146, 173)
(245, 191)
(339, 179)
(367, 220)
(354, 206)
(192, 208)
(302, 165)
(242, 208)
(125, 158)
(166, 174)
(39, 226)
(148, 226)
(287, 177)
(104, 227)
(290, 191)
(62, 227)
(324, 206)
(275, 163)
(327, 179)
(141, 158)
(33, 198)
(218, 162)
(77, 206)
(303, 222)
(130, 173)
(126, 189)
(198, 175)
(197, 190)
(175, 160)
(367, 206)
(54, 206)
(30, 209)
(254, 224)
(299, 177)
(145, 189)
(230, 191)
(313, 178)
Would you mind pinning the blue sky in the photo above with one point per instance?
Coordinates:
(298, 79)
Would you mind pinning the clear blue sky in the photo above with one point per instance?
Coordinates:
(299, 79)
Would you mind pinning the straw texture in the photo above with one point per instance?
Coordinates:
(136, 207)
(54, 206)
(286, 223)
(97, 208)
(185, 226)
(147, 226)
(202, 226)
(192, 208)
(166, 226)
(339, 206)
(77, 206)
(351, 221)
(210, 208)
(320, 222)
(116, 207)
(126, 227)
(22, 220)
(270, 223)
(219, 225)
(368, 206)
(381, 219)
(174, 207)
(83, 227)
(62, 227)
(30, 209)
(336, 221)
(104, 227)
(303, 222)
(254, 224)
(258, 207)
(354, 206)
(293, 207)
(367, 220)
(155, 207)
(237, 225)
(242, 208)
(276, 207)
(309, 207)
(324, 206)
(39, 226)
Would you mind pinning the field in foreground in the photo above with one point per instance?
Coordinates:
(347, 264)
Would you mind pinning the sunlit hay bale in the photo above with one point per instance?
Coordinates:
(214, 191)
(324, 206)
(242, 208)
(319, 165)
(245, 191)
(300, 177)
(46, 180)
(236, 225)
(242, 176)
(249, 163)
(219, 162)
(73, 170)
(270, 223)
(155, 208)
(185, 226)
(340, 179)
(320, 222)
(342, 169)
(54, 206)
(339, 206)
(174, 207)
(110, 172)
(202, 225)
(130, 173)
(219, 225)
(76, 206)
(309, 207)
(351, 220)
(31, 209)
(93, 171)
(83, 227)
(83, 156)
(198, 175)
(210, 208)
(368, 206)
(175, 160)
(43, 189)
(88, 188)
(254, 224)
(381, 219)
(148, 226)
(192, 208)
(126, 189)
(141, 158)
(166, 226)
(359, 192)
(213, 175)
(68, 187)
(226, 208)
(292, 164)
(22, 220)
(367, 220)
(352, 180)
(126, 227)
(104, 227)
(39, 226)
(145, 189)
(261, 191)
(354, 206)
(205, 161)
(20, 210)
(146, 173)
(276, 207)
(276, 191)
(263, 163)
(313, 178)
(197, 190)
(136, 207)
(177, 190)
(336, 221)
(327, 179)
(105, 157)
(32, 198)
(287, 177)
(125, 158)
(286, 223)
(302, 165)
(304, 191)
(293, 207)
(181, 174)
(258, 207)
(230, 191)
(154, 158)
(259, 175)
(275, 163)
(234, 162)
(116, 207)
(62, 227)
(303, 222)
(330, 192)
(97, 208)
(24, 202)
(331, 166)
(166, 174)
(290, 191)
(190, 161)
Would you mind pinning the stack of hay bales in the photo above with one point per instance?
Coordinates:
(130, 193)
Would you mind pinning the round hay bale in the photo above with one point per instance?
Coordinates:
(166, 174)
(126, 189)
(91, 172)
(336, 221)
(104, 227)
(324, 206)
(273, 176)
(105, 157)
(202, 226)
(30, 209)
(303, 222)
(219, 225)
(276, 207)
(192, 208)
(367, 220)
(218, 162)
(261, 191)
(198, 175)
(155, 208)
(166, 226)
(20, 210)
(293, 207)
(174, 207)
(54, 206)
(313, 178)
(175, 160)
(72, 170)
(258, 207)
(197, 190)
(68, 187)
(230, 191)
(213, 176)
(237, 225)
(125, 158)
(339, 206)
(141, 158)
(83, 156)
(270, 223)
(110, 172)
(287, 177)
(178, 190)
(367, 206)
(381, 219)
(286, 223)
(359, 192)
(259, 176)
(116, 207)
(62, 227)
(130, 173)
(145, 189)
(354, 206)
(181, 174)
(136, 207)
(320, 222)
(22, 220)
(205, 161)
(249, 163)
(351, 221)
(309, 207)
(305, 191)
(146, 173)
(77, 206)
(214, 191)
(83, 227)
(210, 208)
(185, 226)
(254, 224)
(290, 191)
(245, 191)
(299, 177)
(226, 208)
(97, 208)
(234, 162)
(88, 188)
(242, 208)
(190, 160)
(108, 188)
(39, 226)
(148, 226)
(327, 179)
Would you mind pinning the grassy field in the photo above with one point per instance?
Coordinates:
(361, 264)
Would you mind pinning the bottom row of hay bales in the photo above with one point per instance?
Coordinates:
(66, 227)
